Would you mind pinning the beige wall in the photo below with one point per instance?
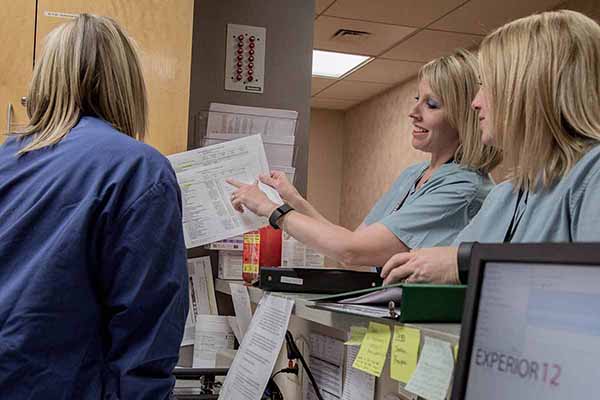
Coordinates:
(325, 154)
(376, 149)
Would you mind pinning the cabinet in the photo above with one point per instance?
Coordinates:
(17, 32)
(162, 31)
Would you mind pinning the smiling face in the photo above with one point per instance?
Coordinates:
(432, 133)
(481, 105)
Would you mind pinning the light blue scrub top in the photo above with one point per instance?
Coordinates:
(438, 211)
(569, 211)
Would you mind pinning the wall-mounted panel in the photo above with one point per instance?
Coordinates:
(288, 63)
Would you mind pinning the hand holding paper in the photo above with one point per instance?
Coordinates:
(279, 181)
(251, 197)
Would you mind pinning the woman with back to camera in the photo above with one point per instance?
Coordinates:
(428, 204)
(93, 277)
(539, 103)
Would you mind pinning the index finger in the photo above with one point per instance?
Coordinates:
(234, 182)
(395, 261)
(399, 274)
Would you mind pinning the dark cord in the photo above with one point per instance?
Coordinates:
(293, 349)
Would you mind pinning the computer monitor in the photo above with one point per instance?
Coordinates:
(531, 323)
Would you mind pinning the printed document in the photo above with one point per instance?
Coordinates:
(358, 385)
(208, 215)
(201, 295)
(432, 377)
(326, 358)
(243, 120)
(255, 359)
(213, 334)
(242, 307)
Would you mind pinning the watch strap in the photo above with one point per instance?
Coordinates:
(278, 213)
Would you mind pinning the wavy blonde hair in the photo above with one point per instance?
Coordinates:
(541, 75)
(89, 66)
(453, 78)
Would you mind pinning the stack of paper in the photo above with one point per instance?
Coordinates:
(277, 128)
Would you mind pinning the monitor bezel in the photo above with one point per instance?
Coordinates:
(582, 254)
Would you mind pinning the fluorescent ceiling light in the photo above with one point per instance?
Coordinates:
(334, 65)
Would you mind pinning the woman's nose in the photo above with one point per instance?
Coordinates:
(414, 114)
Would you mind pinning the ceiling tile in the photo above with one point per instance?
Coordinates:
(427, 45)
(482, 16)
(352, 90)
(321, 5)
(385, 71)
(318, 84)
(417, 13)
(332, 104)
(382, 36)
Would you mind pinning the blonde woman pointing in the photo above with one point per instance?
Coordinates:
(428, 204)
(539, 103)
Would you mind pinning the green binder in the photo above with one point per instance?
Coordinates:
(405, 302)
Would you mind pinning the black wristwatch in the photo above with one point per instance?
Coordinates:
(278, 213)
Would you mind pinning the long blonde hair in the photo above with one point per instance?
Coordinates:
(88, 67)
(454, 79)
(541, 75)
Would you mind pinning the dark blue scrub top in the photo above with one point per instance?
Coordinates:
(93, 278)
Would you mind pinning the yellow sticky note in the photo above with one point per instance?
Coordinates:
(357, 334)
(405, 350)
(373, 350)
(455, 352)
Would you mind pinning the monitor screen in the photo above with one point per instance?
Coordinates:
(537, 333)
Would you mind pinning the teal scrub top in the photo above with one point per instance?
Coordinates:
(568, 211)
(438, 211)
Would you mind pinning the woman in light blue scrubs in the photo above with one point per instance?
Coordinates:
(428, 204)
(539, 103)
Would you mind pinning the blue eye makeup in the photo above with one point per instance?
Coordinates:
(432, 103)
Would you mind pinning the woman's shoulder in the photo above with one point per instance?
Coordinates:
(100, 142)
(454, 172)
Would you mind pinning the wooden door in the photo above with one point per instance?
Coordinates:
(17, 33)
(162, 30)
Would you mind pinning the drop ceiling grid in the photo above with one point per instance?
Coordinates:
(432, 27)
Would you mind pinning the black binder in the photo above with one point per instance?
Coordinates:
(316, 280)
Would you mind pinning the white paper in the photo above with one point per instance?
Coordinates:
(202, 291)
(242, 307)
(328, 378)
(326, 358)
(254, 361)
(358, 385)
(296, 254)
(232, 119)
(278, 150)
(432, 376)
(230, 265)
(233, 323)
(208, 215)
(327, 348)
(201, 295)
(188, 332)
(212, 334)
